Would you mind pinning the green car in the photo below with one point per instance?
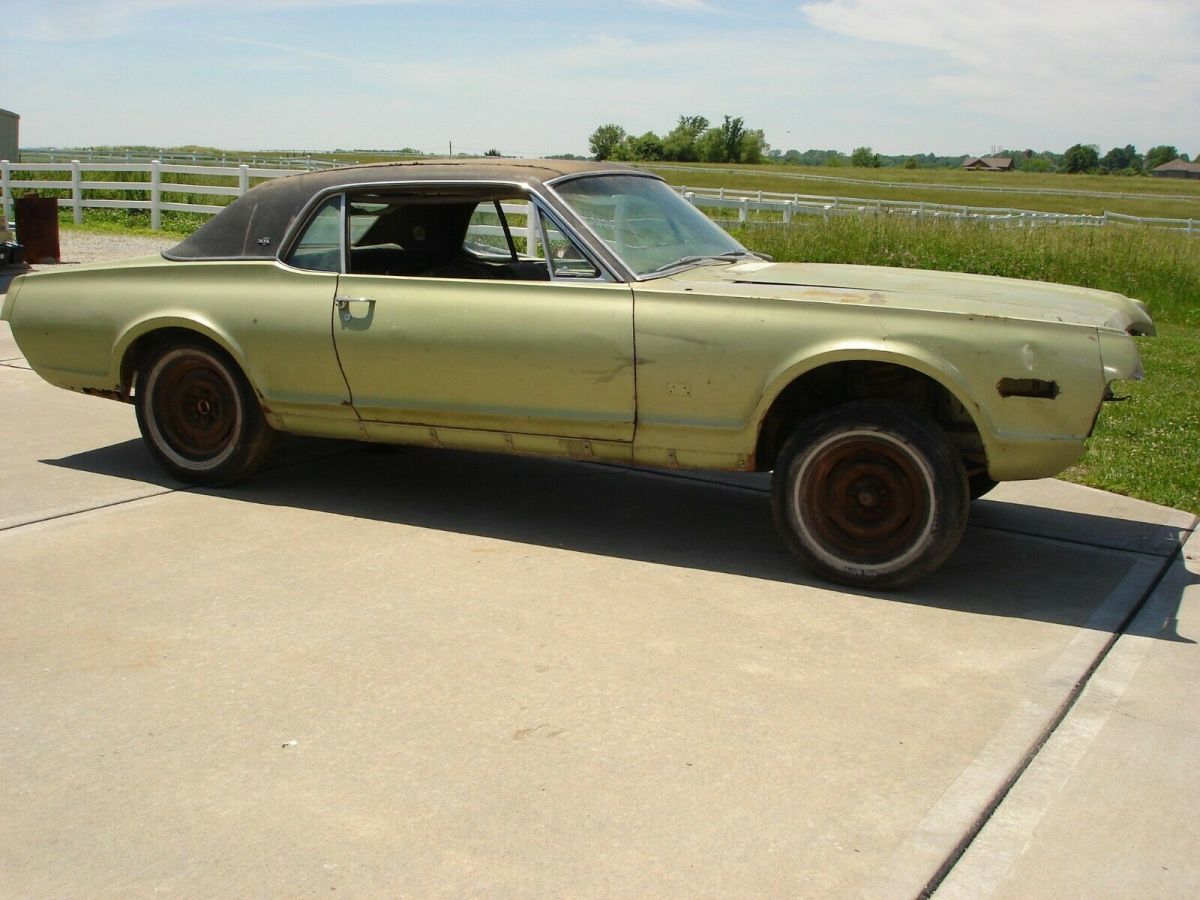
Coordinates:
(588, 311)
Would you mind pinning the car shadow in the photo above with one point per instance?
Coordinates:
(1014, 561)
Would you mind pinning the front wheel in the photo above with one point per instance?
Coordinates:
(870, 494)
(199, 417)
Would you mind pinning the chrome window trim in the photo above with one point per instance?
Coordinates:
(604, 262)
(544, 212)
(296, 232)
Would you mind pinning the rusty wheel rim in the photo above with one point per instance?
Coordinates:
(196, 409)
(864, 497)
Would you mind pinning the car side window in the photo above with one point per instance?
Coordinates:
(320, 247)
(489, 233)
(563, 255)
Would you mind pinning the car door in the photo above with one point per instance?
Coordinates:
(472, 345)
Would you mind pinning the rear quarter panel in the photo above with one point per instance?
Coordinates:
(75, 326)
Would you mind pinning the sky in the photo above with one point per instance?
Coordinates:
(536, 78)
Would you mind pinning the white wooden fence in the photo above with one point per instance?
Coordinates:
(780, 208)
(783, 172)
(73, 180)
(748, 206)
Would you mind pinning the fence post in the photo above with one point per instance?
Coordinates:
(690, 197)
(155, 195)
(787, 212)
(744, 210)
(6, 185)
(243, 178)
(77, 191)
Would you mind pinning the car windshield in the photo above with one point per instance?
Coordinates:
(649, 226)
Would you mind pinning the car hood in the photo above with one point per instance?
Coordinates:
(981, 295)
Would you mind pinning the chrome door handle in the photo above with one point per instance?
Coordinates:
(343, 303)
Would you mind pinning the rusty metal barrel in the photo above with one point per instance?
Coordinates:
(37, 228)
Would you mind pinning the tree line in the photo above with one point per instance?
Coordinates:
(1079, 158)
(1119, 160)
(693, 139)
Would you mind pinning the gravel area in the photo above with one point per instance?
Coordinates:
(84, 246)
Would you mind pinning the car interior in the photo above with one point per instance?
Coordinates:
(431, 236)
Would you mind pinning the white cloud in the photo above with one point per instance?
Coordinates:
(1099, 69)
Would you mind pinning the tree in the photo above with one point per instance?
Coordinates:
(752, 146)
(605, 140)
(680, 144)
(1119, 158)
(1156, 156)
(492, 152)
(865, 157)
(731, 135)
(647, 148)
(910, 163)
(710, 146)
(1081, 158)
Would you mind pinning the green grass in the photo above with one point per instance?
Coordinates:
(131, 221)
(1147, 447)
(1159, 267)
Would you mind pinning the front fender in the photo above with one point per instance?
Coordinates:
(908, 355)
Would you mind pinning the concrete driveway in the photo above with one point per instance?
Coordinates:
(419, 673)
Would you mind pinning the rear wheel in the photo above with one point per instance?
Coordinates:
(870, 494)
(199, 417)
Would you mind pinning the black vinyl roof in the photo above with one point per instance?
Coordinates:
(255, 225)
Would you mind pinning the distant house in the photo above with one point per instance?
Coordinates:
(988, 164)
(1177, 168)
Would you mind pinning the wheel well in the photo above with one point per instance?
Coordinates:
(147, 344)
(838, 383)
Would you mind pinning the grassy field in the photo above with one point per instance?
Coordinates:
(1155, 197)
(1148, 447)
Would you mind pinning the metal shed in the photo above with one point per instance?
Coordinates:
(10, 126)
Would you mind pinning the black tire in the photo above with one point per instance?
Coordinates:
(199, 417)
(870, 494)
(979, 484)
